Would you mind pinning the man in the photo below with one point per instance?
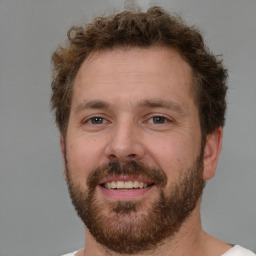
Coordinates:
(140, 104)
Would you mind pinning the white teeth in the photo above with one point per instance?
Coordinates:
(119, 184)
(128, 184)
(112, 184)
(125, 184)
(136, 184)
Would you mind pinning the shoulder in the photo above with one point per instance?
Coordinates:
(238, 250)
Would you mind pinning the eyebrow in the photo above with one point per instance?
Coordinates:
(95, 104)
(153, 103)
(148, 103)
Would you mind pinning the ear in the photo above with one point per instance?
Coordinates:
(211, 153)
(63, 152)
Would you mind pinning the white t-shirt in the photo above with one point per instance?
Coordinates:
(70, 254)
(237, 250)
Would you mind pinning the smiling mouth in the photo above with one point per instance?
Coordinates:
(126, 185)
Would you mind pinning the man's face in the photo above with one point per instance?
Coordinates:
(133, 144)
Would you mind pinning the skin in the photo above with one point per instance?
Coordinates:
(132, 88)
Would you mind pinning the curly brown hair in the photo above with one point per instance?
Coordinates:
(155, 27)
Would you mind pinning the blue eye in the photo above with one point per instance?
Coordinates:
(159, 119)
(97, 120)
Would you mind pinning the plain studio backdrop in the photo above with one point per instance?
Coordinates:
(37, 217)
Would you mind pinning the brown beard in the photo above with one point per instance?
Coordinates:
(129, 227)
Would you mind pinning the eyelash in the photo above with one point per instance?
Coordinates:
(166, 120)
(90, 120)
(104, 120)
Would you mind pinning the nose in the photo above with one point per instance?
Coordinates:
(125, 143)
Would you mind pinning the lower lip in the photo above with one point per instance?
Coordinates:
(123, 195)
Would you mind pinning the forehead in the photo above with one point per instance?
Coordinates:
(154, 72)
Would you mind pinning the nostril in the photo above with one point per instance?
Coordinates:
(132, 155)
(113, 157)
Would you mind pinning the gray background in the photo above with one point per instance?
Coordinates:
(37, 217)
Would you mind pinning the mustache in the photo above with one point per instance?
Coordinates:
(131, 168)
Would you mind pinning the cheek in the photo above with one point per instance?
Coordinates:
(173, 154)
(83, 155)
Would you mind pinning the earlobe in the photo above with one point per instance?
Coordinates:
(211, 153)
(63, 152)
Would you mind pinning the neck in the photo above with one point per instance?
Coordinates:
(190, 240)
